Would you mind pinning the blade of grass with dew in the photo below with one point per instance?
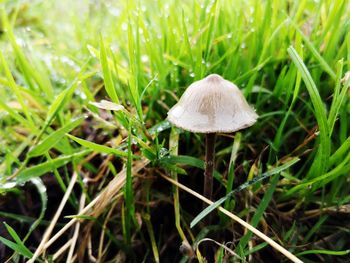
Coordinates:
(148, 151)
(123, 74)
(62, 98)
(198, 56)
(278, 138)
(16, 116)
(15, 90)
(134, 53)
(213, 25)
(59, 103)
(257, 179)
(44, 167)
(261, 48)
(159, 127)
(319, 164)
(27, 69)
(186, 42)
(107, 76)
(54, 109)
(313, 50)
(51, 140)
(98, 147)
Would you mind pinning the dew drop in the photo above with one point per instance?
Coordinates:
(144, 58)
(124, 27)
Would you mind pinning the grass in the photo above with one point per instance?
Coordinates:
(99, 173)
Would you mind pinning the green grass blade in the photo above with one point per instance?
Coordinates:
(22, 250)
(42, 168)
(149, 226)
(323, 251)
(59, 103)
(230, 176)
(319, 164)
(340, 152)
(187, 40)
(30, 73)
(133, 51)
(341, 169)
(40, 186)
(338, 97)
(15, 89)
(51, 140)
(19, 246)
(16, 116)
(98, 147)
(107, 75)
(128, 193)
(315, 53)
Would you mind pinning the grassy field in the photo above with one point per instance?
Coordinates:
(85, 184)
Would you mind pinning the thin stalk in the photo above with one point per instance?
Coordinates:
(173, 146)
(209, 165)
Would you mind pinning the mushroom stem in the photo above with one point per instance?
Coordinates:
(209, 165)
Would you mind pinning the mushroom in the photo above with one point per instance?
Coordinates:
(209, 106)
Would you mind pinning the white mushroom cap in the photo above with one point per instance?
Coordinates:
(210, 105)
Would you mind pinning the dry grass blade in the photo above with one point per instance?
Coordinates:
(238, 220)
(41, 248)
(76, 230)
(220, 245)
(113, 188)
(62, 250)
(101, 201)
